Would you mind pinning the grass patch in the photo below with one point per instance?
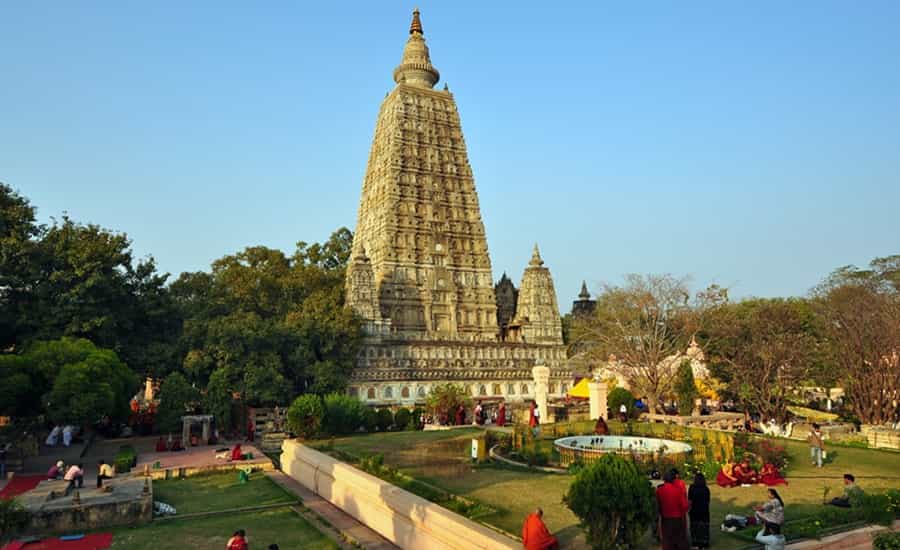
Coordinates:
(282, 526)
(219, 491)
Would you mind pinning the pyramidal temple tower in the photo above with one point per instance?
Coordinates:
(420, 273)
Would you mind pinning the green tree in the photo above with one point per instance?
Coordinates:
(618, 397)
(685, 388)
(19, 393)
(614, 502)
(176, 398)
(18, 231)
(861, 310)
(218, 400)
(762, 349)
(93, 382)
(305, 415)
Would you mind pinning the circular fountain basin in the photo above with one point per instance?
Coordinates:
(587, 448)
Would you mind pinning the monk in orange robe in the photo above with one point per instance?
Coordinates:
(770, 475)
(726, 477)
(535, 535)
(745, 473)
(236, 453)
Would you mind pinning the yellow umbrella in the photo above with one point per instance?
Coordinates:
(580, 390)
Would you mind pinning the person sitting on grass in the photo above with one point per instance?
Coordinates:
(238, 541)
(726, 477)
(769, 475)
(236, 453)
(770, 536)
(745, 473)
(773, 510)
(851, 492)
(535, 535)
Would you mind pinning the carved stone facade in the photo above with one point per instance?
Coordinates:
(420, 274)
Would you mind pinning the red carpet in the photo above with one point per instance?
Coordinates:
(20, 484)
(89, 542)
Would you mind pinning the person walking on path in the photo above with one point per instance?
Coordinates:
(698, 496)
(816, 445)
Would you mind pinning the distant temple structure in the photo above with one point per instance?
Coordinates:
(420, 273)
(583, 306)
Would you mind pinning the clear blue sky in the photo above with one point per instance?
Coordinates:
(752, 144)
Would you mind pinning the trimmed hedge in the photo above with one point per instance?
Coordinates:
(126, 459)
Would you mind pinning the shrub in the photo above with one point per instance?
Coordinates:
(402, 418)
(13, 517)
(418, 418)
(685, 388)
(887, 541)
(125, 459)
(369, 419)
(613, 500)
(343, 414)
(385, 419)
(304, 416)
(619, 397)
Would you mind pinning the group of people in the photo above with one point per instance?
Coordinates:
(679, 507)
(743, 474)
(74, 474)
(480, 415)
(67, 433)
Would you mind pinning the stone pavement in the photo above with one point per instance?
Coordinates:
(352, 529)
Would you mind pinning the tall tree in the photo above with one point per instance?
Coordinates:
(638, 327)
(18, 231)
(862, 310)
(763, 349)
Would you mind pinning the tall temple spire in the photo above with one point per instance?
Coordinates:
(415, 67)
(416, 25)
(584, 294)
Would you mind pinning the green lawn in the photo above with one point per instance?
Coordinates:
(441, 458)
(281, 525)
(219, 491)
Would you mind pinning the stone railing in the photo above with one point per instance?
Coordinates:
(403, 518)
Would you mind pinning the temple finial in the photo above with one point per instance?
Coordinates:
(584, 294)
(416, 25)
(415, 67)
(536, 256)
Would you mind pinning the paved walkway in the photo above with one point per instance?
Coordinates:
(355, 531)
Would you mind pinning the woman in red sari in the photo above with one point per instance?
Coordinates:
(535, 535)
(236, 453)
(726, 477)
(770, 475)
(501, 414)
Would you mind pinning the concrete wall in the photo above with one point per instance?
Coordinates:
(403, 518)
